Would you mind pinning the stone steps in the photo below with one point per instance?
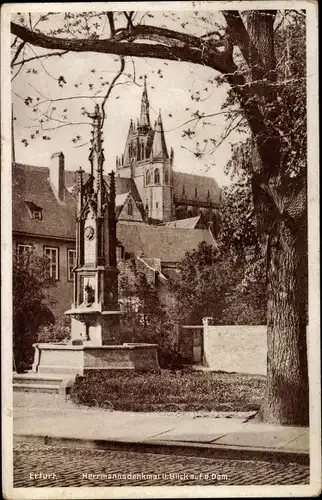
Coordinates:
(47, 383)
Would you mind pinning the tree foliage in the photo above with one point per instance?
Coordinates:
(212, 283)
(145, 318)
(30, 309)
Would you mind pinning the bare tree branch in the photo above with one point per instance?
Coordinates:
(196, 50)
(40, 56)
(18, 51)
(108, 93)
(110, 16)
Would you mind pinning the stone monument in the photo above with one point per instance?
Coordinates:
(95, 313)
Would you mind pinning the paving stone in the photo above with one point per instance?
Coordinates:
(72, 467)
(300, 443)
(274, 439)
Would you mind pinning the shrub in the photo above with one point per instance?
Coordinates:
(145, 319)
(168, 390)
(30, 309)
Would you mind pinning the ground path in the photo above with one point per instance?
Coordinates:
(73, 467)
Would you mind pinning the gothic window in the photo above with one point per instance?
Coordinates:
(142, 151)
(156, 204)
(148, 177)
(166, 177)
(130, 208)
(156, 176)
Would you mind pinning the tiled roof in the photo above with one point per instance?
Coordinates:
(166, 243)
(184, 223)
(31, 184)
(122, 184)
(120, 199)
(191, 182)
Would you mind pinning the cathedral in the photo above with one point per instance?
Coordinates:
(163, 194)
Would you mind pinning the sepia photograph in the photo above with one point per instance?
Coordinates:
(160, 250)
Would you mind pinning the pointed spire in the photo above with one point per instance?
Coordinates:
(159, 147)
(145, 106)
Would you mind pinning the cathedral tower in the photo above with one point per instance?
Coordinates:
(147, 162)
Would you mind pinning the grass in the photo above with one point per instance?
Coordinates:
(169, 391)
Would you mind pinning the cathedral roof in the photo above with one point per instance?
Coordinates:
(166, 243)
(159, 147)
(188, 185)
(122, 185)
(189, 223)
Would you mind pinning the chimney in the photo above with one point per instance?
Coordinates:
(57, 175)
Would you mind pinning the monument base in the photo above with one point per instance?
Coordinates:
(79, 359)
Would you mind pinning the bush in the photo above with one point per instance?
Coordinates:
(168, 390)
(58, 332)
(30, 309)
(145, 319)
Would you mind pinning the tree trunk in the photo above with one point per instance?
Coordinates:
(287, 394)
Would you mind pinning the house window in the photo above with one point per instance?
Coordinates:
(51, 255)
(71, 263)
(148, 177)
(156, 176)
(23, 251)
(130, 208)
(37, 214)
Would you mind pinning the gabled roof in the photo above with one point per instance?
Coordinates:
(186, 184)
(190, 223)
(166, 243)
(120, 199)
(123, 185)
(31, 184)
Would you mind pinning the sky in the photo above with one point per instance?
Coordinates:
(171, 86)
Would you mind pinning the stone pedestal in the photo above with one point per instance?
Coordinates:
(78, 359)
(90, 325)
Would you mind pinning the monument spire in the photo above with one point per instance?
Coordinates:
(96, 156)
(145, 107)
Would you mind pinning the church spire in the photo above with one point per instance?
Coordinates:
(145, 106)
(159, 147)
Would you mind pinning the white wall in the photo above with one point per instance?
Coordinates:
(236, 348)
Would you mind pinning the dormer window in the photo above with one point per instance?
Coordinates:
(34, 211)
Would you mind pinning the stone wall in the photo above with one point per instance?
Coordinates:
(236, 348)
